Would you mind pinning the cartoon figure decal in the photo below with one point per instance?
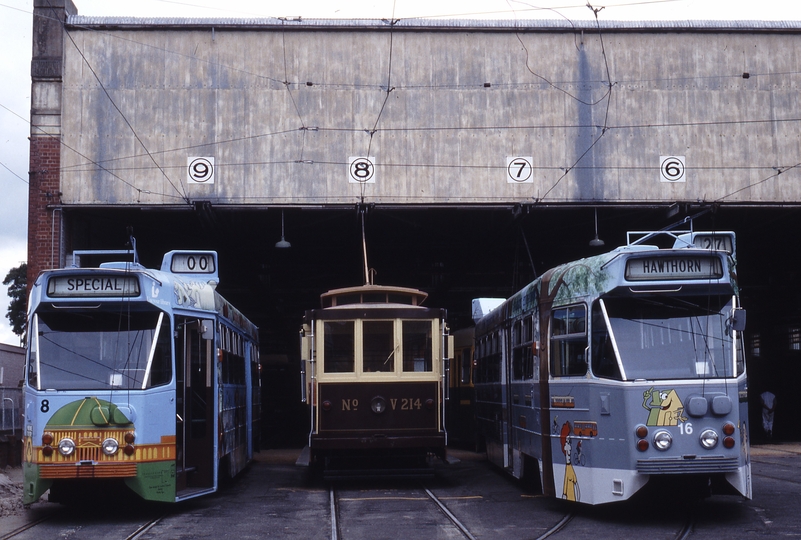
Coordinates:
(570, 488)
(664, 406)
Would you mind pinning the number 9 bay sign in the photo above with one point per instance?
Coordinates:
(200, 170)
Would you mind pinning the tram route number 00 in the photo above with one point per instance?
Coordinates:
(361, 170)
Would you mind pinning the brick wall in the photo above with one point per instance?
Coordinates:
(44, 232)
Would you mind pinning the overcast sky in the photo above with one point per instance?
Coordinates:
(15, 58)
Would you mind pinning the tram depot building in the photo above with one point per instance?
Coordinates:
(478, 154)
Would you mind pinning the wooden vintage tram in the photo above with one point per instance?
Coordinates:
(137, 377)
(612, 371)
(374, 377)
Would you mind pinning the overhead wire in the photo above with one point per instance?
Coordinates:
(388, 88)
(123, 116)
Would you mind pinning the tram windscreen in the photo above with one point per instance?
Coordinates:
(672, 337)
(100, 350)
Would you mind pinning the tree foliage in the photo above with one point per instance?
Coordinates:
(17, 281)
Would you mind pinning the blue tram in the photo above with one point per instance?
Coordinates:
(612, 371)
(135, 377)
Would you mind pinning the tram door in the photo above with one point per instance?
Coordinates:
(194, 408)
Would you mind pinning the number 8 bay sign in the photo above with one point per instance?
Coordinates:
(361, 170)
(200, 170)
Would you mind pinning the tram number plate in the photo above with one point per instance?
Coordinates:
(193, 263)
(406, 404)
(717, 242)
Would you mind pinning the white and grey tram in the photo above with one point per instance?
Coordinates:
(374, 377)
(610, 372)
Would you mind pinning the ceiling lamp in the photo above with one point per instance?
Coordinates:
(283, 244)
(596, 242)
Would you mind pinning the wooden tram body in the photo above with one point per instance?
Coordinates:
(374, 377)
(141, 378)
(616, 370)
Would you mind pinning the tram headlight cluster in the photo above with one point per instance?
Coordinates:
(378, 405)
(110, 446)
(66, 446)
(728, 431)
(709, 439)
(662, 439)
(47, 441)
(129, 439)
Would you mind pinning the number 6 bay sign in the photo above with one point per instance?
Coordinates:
(361, 170)
(671, 169)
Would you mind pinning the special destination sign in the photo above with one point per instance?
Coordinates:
(673, 268)
(92, 286)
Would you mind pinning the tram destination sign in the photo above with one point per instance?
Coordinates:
(92, 286)
(673, 268)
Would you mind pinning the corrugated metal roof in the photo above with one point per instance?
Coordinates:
(434, 24)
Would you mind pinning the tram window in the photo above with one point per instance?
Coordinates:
(794, 334)
(347, 299)
(102, 349)
(395, 298)
(755, 345)
(378, 349)
(161, 368)
(338, 347)
(466, 365)
(673, 337)
(604, 360)
(522, 355)
(488, 369)
(417, 346)
(569, 341)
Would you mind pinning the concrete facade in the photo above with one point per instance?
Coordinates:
(282, 106)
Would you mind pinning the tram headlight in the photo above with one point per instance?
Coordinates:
(378, 405)
(662, 440)
(110, 446)
(709, 439)
(66, 446)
